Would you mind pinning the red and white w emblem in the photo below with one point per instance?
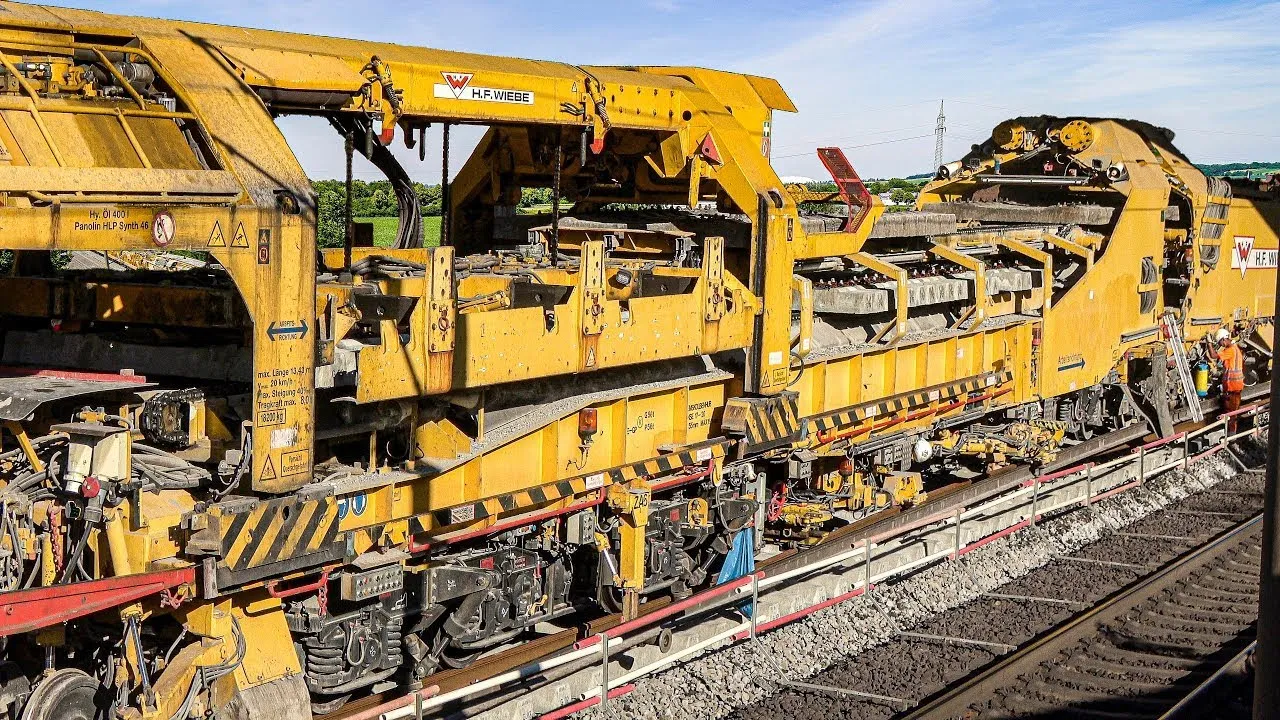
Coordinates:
(457, 82)
(1244, 252)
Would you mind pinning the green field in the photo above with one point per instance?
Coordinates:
(385, 228)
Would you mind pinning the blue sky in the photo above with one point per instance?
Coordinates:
(866, 75)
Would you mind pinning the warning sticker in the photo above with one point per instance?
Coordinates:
(216, 238)
(293, 463)
(268, 470)
(241, 240)
(163, 228)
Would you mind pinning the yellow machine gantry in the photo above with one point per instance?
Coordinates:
(281, 452)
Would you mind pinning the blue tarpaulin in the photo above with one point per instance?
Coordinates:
(740, 562)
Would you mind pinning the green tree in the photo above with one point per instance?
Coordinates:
(330, 214)
(903, 195)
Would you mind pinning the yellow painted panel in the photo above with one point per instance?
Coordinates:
(507, 345)
(648, 425)
(265, 67)
(702, 413)
(509, 468)
(30, 141)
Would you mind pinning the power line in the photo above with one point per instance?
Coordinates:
(862, 109)
(1225, 132)
(816, 143)
(990, 107)
(855, 147)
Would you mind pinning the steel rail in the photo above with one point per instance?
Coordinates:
(983, 685)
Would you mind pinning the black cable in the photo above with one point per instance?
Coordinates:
(73, 563)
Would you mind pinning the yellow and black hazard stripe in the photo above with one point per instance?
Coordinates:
(764, 421)
(536, 496)
(506, 503)
(663, 464)
(909, 401)
(298, 533)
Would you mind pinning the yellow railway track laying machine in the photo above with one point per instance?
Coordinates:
(269, 477)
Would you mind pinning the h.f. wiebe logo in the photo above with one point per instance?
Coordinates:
(457, 82)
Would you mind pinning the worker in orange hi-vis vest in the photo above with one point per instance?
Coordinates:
(1232, 359)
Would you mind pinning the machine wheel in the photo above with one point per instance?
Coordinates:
(610, 598)
(67, 695)
(458, 659)
(329, 704)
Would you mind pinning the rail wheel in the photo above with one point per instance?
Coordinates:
(610, 598)
(328, 704)
(67, 695)
(457, 658)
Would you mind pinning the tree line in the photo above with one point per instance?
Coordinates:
(377, 199)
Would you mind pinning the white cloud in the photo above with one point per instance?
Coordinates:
(1207, 72)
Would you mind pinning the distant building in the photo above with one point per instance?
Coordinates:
(887, 199)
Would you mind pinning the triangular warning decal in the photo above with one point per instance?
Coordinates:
(216, 238)
(268, 470)
(708, 150)
(241, 240)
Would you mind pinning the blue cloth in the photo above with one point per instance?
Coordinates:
(740, 562)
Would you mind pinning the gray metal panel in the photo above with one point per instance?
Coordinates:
(20, 396)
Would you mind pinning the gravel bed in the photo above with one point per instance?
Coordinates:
(1182, 523)
(1156, 651)
(1089, 581)
(740, 681)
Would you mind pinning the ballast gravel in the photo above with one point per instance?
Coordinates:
(719, 682)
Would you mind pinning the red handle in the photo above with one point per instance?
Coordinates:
(322, 581)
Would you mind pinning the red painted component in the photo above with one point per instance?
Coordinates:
(679, 607)
(779, 622)
(27, 610)
(831, 437)
(90, 488)
(994, 537)
(1043, 479)
(568, 710)
(1117, 490)
(1161, 441)
(852, 190)
(415, 547)
(1255, 407)
(10, 371)
(678, 481)
(1211, 451)
(709, 151)
(300, 589)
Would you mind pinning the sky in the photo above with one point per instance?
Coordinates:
(867, 76)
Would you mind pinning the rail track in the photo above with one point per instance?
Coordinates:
(493, 680)
(1128, 626)
(1136, 654)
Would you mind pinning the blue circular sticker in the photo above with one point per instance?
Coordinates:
(359, 504)
(342, 508)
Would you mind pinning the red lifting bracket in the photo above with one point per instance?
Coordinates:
(27, 610)
(852, 190)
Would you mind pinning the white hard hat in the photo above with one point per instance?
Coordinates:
(1222, 334)
(922, 450)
